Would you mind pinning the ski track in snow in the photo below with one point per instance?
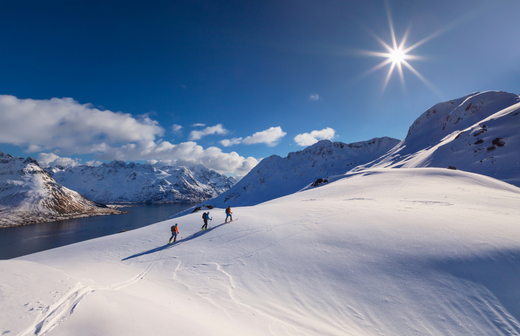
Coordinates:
(207, 272)
(60, 310)
(289, 329)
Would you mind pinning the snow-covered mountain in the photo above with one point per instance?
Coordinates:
(120, 182)
(28, 195)
(394, 252)
(275, 176)
(479, 133)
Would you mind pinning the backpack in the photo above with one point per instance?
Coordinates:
(173, 228)
(203, 215)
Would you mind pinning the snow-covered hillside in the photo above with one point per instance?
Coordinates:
(399, 252)
(478, 133)
(275, 176)
(29, 195)
(120, 182)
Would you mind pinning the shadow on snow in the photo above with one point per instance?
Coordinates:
(498, 272)
(167, 246)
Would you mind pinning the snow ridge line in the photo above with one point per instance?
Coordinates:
(57, 312)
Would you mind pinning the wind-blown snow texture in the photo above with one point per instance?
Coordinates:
(275, 176)
(399, 252)
(479, 133)
(119, 182)
(28, 195)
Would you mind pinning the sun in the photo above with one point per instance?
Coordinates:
(397, 55)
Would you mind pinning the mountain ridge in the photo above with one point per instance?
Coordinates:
(121, 182)
(474, 133)
(276, 176)
(478, 133)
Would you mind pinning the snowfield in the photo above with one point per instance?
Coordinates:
(410, 251)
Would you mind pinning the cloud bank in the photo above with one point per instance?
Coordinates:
(186, 153)
(66, 124)
(307, 139)
(66, 127)
(52, 160)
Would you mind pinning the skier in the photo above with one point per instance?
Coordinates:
(228, 214)
(175, 232)
(205, 216)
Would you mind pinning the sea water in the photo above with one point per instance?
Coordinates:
(23, 240)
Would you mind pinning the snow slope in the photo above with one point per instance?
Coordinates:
(274, 177)
(120, 182)
(29, 195)
(479, 133)
(382, 252)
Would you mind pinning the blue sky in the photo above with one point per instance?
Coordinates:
(91, 81)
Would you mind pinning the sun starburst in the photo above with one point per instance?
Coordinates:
(397, 56)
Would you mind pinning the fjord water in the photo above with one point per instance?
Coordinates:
(23, 240)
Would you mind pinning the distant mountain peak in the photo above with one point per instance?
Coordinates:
(121, 182)
(476, 133)
(460, 113)
(28, 194)
(276, 176)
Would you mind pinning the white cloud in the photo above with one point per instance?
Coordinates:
(198, 125)
(63, 123)
(231, 142)
(93, 163)
(241, 169)
(217, 129)
(65, 127)
(245, 167)
(307, 139)
(176, 128)
(52, 160)
(186, 153)
(270, 137)
(314, 97)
